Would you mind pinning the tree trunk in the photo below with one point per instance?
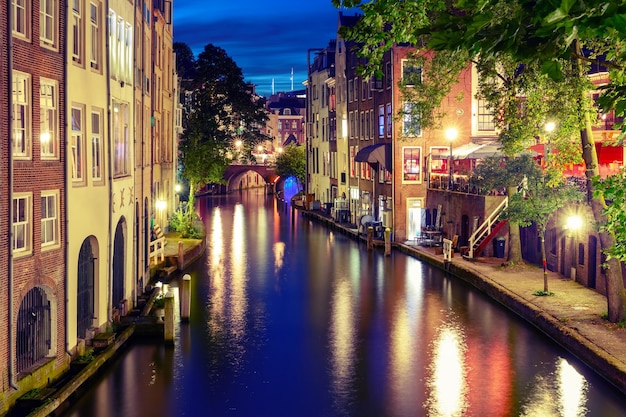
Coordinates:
(515, 242)
(544, 261)
(191, 201)
(614, 282)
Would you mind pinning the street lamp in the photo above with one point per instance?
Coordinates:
(573, 224)
(451, 134)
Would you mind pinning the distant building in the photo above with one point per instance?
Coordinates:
(321, 125)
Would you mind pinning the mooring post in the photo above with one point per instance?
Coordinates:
(185, 298)
(387, 241)
(169, 319)
(370, 237)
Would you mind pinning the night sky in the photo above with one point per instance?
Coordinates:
(265, 38)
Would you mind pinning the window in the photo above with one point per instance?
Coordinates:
(22, 225)
(485, 117)
(49, 116)
(21, 18)
(389, 120)
(280, 125)
(294, 125)
(119, 131)
(411, 121)
(411, 73)
(353, 151)
(96, 145)
(21, 115)
(381, 121)
(350, 92)
(411, 163)
(48, 22)
(95, 55)
(287, 112)
(77, 35)
(112, 41)
(76, 144)
(49, 218)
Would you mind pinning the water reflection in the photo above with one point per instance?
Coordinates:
(342, 343)
(291, 319)
(562, 392)
(447, 382)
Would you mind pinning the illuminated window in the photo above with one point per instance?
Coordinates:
(411, 163)
(96, 145)
(411, 121)
(49, 116)
(48, 22)
(22, 18)
(485, 117)
(49, 218)
(381, 121)
(21, 95)
(119, 131)
(77, 137)
(389, 120)
(95, 55)
(22, 223)
(77, 32)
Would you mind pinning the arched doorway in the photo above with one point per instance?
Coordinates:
(85, 295)
(34, 329)
(119, 261)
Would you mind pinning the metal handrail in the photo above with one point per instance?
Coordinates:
(486, 227)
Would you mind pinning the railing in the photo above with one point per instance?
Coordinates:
(487, 226)
(157, 250)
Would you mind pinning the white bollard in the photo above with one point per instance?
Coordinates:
(185, 298)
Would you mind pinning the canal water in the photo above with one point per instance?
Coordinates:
(292, 319)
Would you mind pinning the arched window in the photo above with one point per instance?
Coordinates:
(33, 333)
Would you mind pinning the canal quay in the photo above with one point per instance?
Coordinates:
(571, 317)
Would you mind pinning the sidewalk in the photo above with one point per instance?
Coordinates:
(572, 316)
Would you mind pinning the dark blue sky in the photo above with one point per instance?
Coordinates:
(265, 38)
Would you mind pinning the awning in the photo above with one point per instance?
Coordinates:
(376, 154)
(485, 151)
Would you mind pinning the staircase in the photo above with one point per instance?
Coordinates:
(487, 231)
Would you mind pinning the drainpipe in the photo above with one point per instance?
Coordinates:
(10, 179)
(393, 154)
(67, 182)
(109, 262)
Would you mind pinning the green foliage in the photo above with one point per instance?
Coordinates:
(543, 293)
(292, 162)
(222, 110)
(495, 172)
(540, 200)
(613, 189)
(182, 221)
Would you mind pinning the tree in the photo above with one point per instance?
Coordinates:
(537, 204)
(222, 110)
(292, 163)
(613, 189)
(495, 173)
(562, 39)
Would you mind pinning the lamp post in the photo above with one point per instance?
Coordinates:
(549, 128)
(451, 134)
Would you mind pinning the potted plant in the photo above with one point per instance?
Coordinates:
(158, 306)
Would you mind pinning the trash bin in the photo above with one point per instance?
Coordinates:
(498, 247)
